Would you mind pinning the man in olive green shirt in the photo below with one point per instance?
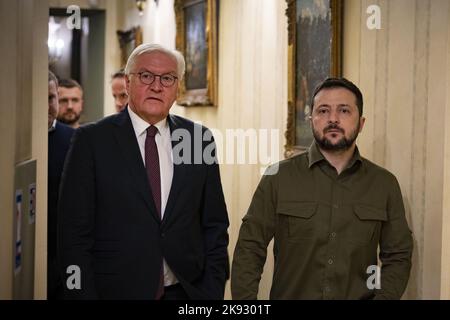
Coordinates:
(328, 211)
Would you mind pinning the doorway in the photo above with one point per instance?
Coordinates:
(78, 53)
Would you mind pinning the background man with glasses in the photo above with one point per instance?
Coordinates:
(137, 223)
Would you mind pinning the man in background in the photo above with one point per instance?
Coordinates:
(70, 102)
(119, 90)
(59, 136)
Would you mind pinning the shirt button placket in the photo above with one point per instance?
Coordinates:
(330, 262)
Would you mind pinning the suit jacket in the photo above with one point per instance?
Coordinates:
(109, 226)
(58, 145)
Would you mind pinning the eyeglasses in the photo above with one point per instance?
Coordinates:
(146, 77)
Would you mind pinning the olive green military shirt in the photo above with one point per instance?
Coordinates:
(327, 229)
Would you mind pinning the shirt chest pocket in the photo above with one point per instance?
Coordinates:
(298, 219)
(366, 225)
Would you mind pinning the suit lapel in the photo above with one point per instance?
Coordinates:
(179, 173)
(126, 139)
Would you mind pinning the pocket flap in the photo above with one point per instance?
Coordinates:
(369, 213)
(297, 209)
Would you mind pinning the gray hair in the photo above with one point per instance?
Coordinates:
(153, 47)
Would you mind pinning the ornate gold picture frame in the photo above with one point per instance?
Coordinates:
(197, 40)
(314, 53)
(128, 41)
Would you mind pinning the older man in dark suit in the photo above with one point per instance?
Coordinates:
(140, 218)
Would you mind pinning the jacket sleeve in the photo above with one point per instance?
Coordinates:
(215, 224)
(257, 230)
(396, 245)
(76, 209)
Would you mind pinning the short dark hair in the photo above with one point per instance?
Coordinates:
(52, 77)
(70, 83)
(340, 83)
(118, 74)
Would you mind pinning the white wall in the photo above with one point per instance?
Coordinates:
(157, 21)
(403, 71)
(23, 126)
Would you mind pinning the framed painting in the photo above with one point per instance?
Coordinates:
(314, 53)
(128, 41)
(197, 40)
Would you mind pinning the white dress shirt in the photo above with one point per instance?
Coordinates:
(53, 126)
(164, 143)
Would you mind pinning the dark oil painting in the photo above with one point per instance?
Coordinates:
(196, 50)
(313, 55)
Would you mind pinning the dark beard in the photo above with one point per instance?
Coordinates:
(71, 121)
(342, 145)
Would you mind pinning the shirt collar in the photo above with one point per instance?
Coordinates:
(53, 126)
(355, 158)
(315, 156)
(140, 125)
